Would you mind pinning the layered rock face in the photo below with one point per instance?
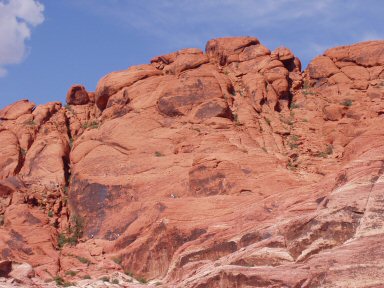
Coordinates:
(224, 168)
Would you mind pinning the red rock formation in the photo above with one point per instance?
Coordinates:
(77, 95)
(229, 168)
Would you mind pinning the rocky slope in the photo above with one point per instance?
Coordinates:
(229, 168)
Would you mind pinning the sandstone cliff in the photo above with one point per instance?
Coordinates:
(225, 168)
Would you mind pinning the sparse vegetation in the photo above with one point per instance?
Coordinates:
(292, 165)
(347, 103)
(61, 282)
(61, 240)
(236, 119)
(307, 92)
(294, 105)
(288, 121)
(115, 281)
(69, 108)
(293, 141)
(91, 125)
(295, 138)
(328, 151)
(71, 143)
(306, 85)
(158, 154)
(307, 89)
(142, 280)
(117, 260)
(30, 123)
(77, 227)
(50, 213)
(74, 232)
(71, 273)
(104, 279)
(84, 260)
(128, 273)
(87, 277)
(23, 152)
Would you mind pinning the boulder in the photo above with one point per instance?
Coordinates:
(15, 110)
(77, 95)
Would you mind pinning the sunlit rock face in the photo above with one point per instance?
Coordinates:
(225, 168)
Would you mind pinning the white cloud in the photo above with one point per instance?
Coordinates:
(191, 22)
(17, 18)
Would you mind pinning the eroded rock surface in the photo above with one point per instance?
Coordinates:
(229, 168)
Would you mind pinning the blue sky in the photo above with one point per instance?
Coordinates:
(47, 45)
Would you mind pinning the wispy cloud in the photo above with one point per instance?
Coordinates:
(299, 23)
(17, 18)
(371, 36)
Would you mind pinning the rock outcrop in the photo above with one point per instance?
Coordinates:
(224, 168)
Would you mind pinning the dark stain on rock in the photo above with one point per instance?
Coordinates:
(31, 219)
(93, 201)
(204, 182)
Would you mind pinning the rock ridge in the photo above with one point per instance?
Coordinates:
(229, 167)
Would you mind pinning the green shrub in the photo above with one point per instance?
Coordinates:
(142, 280)
(69, 108)
(293, 139)
(117, 260)
(71, 143)
(71, 273)
(294, 106)
(104, 279)
(77, 227)
(61, 240)
(91, 125)
(74, 232)
(158, 154)
(347, 102)
(306, 85)
(59, 281)
(292, 165)
(328, 151)
(308, 92)
(84, 260)
(236, 119)
(115, 281)
(87, 277)
(50, 213)
(30, 123)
